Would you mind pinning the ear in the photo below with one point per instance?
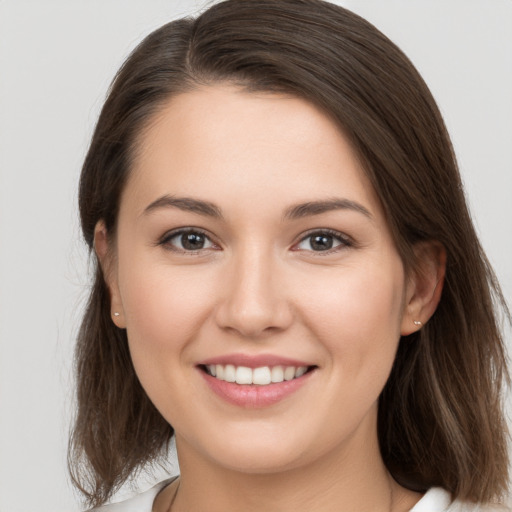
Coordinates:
(103, 250)
(424, 287)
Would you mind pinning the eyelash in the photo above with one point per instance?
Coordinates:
(345, 241)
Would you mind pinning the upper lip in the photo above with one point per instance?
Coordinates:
(253, 361)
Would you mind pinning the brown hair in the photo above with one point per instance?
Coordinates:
(440, 415)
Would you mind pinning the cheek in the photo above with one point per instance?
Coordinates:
(357, 315)
(164, 307)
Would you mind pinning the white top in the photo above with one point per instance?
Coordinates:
(435, 500)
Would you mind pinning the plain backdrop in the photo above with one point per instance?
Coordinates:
(57, 58)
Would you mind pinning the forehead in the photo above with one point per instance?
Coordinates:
(228, 144)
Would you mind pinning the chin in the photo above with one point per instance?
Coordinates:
(259, 462)
(260, 451)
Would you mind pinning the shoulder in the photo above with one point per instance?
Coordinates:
(439, 500)
(142, 502)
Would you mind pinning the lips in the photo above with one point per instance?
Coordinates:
(255, 381)
(254, 361)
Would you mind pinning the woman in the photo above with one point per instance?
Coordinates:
(288, 278)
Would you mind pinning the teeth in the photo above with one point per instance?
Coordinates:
(300, 371)
(260, 376)
(277, 374)
(289, 373)
(243, 375)
(229, 373)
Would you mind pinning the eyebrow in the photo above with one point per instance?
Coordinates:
(294, 212)
(318, 207)
(187, 204)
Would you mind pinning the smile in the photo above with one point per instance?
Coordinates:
(255, 381)
(261, 376)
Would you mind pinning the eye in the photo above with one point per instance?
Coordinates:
(323, 241)
(187, 240)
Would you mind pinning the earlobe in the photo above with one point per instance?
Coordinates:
(425, 286)
(107, 263)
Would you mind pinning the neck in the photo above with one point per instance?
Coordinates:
(351, 477)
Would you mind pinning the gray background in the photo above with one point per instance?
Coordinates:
(57, 58)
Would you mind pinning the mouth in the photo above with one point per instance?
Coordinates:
(260, 376)
(256, 381)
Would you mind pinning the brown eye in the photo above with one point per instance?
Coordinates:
(192, 241)
(321, 241)
(187, 241)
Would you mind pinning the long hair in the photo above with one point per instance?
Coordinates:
(440, 414)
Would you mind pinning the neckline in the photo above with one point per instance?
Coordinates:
(435, 496)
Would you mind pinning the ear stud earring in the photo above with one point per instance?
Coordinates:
(418, 323)
(116, 313)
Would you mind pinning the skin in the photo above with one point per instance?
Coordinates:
(259, 287)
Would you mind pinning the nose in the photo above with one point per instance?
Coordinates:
(254, 303)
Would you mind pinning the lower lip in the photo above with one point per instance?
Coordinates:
(252, 396)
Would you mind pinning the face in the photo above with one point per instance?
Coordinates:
(251, 247)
